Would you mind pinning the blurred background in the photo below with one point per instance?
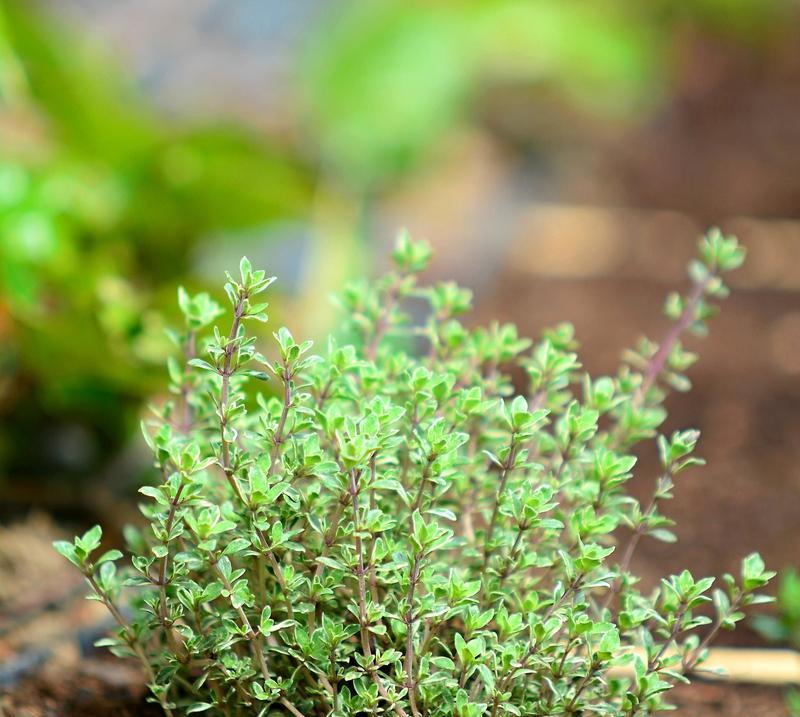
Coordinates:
(562, 157)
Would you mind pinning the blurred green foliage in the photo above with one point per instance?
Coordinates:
(103, 200)
(784, 627)
(101, 204)
(386, 79)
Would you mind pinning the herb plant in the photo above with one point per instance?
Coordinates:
(104, 208)
(396, 531)
(783, 628)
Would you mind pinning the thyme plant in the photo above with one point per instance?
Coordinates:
(394, 530)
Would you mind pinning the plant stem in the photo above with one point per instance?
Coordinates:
(580, 688)
(535, 644)
(653, 662)
(129, 638)
(382, 324)
(252, 637)
(658, 361)
(175, 644)
(189, 353)
(689, 664)
(330, 536)
(362, 601)
(516, 549)
(230, 349)
(508, 466)
(633, 543)
(409, 620)
(373, 575)
(426, 474)
(278, 437)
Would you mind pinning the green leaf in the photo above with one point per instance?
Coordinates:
(109, 555)
(91, 539)
(67, 549)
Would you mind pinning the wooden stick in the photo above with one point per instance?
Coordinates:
(759, 666)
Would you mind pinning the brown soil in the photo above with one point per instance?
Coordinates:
(711, 700)
(98, 688)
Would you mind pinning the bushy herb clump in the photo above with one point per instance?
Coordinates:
(397, 532)
(784, 627)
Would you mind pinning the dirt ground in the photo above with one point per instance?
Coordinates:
(100, 688)
(707, 700)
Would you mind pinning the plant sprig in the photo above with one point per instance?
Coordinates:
(392, 529)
